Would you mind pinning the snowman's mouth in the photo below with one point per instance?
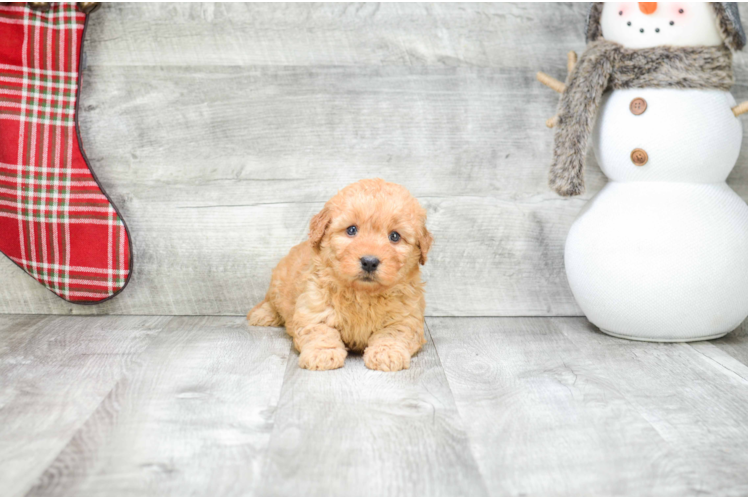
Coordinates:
(643, 30)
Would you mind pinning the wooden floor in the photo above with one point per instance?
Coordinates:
(127, 405)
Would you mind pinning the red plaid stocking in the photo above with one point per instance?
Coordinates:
(56, 222)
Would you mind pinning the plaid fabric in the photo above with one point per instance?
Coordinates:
(55, 221)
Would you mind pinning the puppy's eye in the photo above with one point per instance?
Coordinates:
(394, 236)
(352, 230)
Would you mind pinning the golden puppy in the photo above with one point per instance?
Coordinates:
(356, 282)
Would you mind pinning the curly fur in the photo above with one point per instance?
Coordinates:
(607, 65)
(329, 305)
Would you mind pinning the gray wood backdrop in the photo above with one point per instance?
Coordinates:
(220, 129)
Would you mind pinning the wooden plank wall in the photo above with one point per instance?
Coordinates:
(221, 129)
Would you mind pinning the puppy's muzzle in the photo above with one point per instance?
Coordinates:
(369, 264)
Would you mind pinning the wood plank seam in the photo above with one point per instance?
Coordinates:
(127, 371)
(480, 466)
(698, 347)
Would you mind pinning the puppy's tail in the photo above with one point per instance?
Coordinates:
(264, 314)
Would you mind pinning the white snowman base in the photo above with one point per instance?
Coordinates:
(661, 261)
(658, 339)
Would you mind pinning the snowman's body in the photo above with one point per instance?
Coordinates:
(661, 252)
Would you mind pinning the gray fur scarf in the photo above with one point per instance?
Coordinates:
(607, 65)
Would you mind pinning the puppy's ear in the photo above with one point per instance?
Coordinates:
(424, 243)
(318, 226)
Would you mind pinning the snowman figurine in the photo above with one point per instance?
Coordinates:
(661, 252)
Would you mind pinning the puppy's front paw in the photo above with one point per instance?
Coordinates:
(322, 359)
(386, 358)
(263, 314)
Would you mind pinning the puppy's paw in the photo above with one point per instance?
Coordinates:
(386, 358)
(264, 314)
(322, 359)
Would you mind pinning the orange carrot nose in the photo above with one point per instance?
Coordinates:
(648, 7)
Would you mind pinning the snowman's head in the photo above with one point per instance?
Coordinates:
(639, 25)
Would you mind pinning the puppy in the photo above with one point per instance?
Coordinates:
(356, 282)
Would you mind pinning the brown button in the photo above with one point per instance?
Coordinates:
(638, 106)
(639, 157)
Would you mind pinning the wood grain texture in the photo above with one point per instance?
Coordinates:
(735, 344)
(553, 407)
(194, 419)
(220, 129)
(355, 431)
(54, 373)
(335, 34)
(126, 405)
(697, 403)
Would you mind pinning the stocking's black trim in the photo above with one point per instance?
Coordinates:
(93, 174)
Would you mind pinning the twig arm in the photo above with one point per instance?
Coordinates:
(740, 108)
(571, 61)
(550, 82)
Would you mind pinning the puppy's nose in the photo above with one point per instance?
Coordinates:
(369, 263)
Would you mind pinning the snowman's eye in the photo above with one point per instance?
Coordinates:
(620, 12)
(680, 11)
